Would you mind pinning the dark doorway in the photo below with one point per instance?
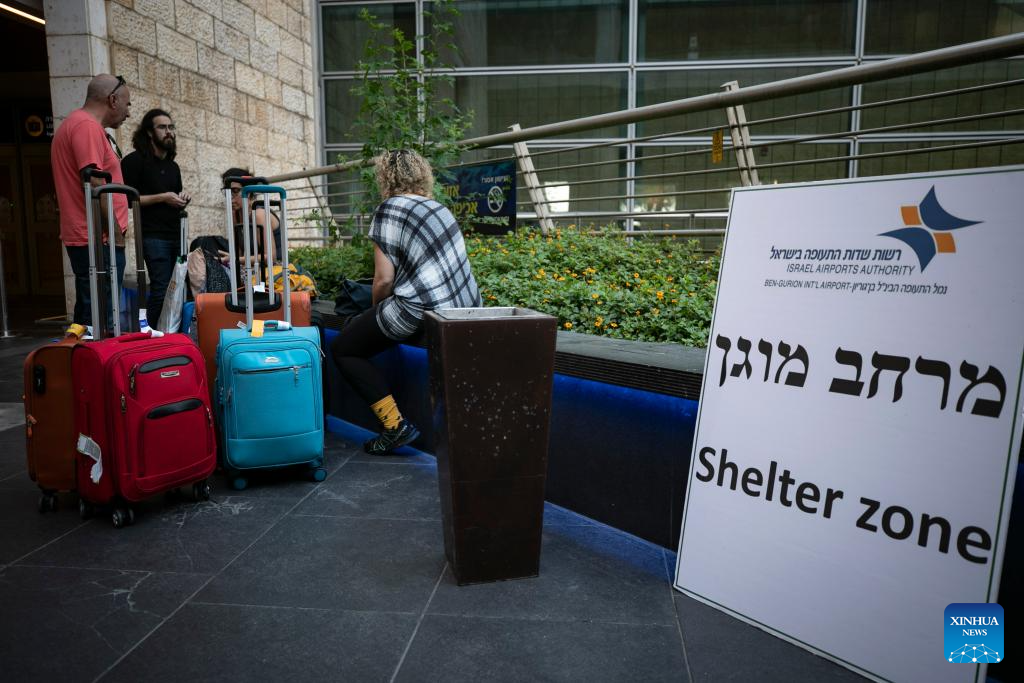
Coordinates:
(29, 222)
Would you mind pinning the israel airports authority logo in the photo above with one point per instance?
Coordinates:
(929, 229)
(974, 633)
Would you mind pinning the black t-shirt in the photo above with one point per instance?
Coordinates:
(150, 175)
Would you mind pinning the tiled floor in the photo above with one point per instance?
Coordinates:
(340, 581)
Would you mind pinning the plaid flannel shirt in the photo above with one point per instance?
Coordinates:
(422, 240)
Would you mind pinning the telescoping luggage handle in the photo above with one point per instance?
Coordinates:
(230, 227)
(92, 200)
(268, 236)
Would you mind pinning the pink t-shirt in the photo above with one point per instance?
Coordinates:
(79, 142)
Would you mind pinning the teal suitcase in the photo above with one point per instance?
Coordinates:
(269, 386)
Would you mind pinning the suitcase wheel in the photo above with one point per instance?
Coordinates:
(201, 490)
(317, 473)
(85, 510)
(239, 483)
(47, 502)
(121, 517)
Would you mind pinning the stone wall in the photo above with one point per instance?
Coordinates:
(236, 76)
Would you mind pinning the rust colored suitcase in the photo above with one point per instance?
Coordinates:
(215, 312)
(49, 420)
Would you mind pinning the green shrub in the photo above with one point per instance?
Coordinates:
(659, 290)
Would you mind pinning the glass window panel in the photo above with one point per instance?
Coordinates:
(690, 181)
(670, 30)
(535, 32)
(340, 110)
(664, 86)
(904, 26)
(498, 101)
(345, 34)
(981, 157)
(986, 101)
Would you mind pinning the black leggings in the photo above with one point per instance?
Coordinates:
(358, 341)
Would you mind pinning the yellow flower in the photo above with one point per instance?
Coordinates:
(675, 301)
(669, 278)
(660, 295)
(636, 275)
(599, 321)
(568, 326)
(594, 296)
(614, 324)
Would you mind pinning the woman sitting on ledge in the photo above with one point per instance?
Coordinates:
(420, 264)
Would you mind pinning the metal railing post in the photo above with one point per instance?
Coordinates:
(741, 139)
(540, 206)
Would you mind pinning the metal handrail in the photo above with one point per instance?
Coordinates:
(957, 55)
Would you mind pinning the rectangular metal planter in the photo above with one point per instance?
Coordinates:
(491, 372)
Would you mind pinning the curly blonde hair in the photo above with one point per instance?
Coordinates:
(403, 171)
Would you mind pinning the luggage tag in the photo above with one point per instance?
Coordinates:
(90, 448)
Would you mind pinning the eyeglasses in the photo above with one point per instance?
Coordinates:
(120, 82)
(236, 191)
(165, 126)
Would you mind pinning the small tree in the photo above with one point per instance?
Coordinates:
(400, 106)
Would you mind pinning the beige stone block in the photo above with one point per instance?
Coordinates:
(267, 31)
(238, 16)
(296, 5)
(310, 106)
(263, 57)
(294, 24)
(211, 7)
(132, 29)
(216, 65)
(294, 99)
(291, 47)
(205, 220)
(307, 55)
(288, 123)
(220, 130)
(159, 77)
(69, 55)
(250, 139)
(161, 11)
(290, 71)
(72, 17)
(199, 91)
(273, 91)
(307, 80)
(230, 41)
(278, 142)
(188, 146)
(259, 113)
(124, 61)
(231, 103)
(258, 6)
(277, 12)
(193, 22)
(177, 49)
(142, 101)
(249, 80)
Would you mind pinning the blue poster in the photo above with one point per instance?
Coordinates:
(483, 196)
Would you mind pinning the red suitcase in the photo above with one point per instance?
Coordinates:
(142, 408)
(142, 412)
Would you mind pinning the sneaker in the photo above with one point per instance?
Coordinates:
(390, 439)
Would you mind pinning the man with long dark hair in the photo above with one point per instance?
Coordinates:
(151, 170)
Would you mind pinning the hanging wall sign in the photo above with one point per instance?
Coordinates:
(860, 419)
(483, 196)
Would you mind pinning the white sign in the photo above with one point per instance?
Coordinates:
(858, 429)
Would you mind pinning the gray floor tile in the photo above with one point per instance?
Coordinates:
(71, 624)
(362, 489)
(722, 648)
(242, 643)
(22, 528)
(555, 516)
(590, 573)
(474, 649)
(183, 536)
(388, 565)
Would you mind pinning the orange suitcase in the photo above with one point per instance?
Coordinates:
(50, 420)
(215, 312)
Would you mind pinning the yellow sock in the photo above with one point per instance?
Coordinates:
(386, 411)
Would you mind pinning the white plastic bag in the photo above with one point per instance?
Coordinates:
(174, 299)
